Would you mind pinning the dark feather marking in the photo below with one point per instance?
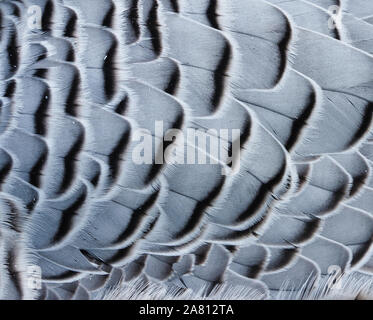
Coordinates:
(70, 164)
(211, 14)
(68, 215)
(153, 25)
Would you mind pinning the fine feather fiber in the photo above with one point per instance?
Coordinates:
(354, 287)
(106, 194)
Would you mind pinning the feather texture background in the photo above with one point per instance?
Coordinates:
(296, 80)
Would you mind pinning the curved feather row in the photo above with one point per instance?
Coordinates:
(293, 76)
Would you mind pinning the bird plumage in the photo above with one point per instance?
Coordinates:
(295, 77)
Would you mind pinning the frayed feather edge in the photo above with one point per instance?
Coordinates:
(354, 286)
